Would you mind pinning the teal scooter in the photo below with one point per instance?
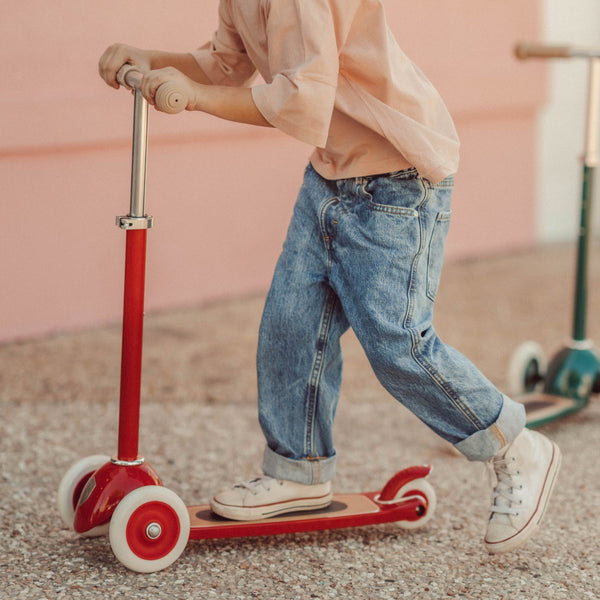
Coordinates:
(551, 390)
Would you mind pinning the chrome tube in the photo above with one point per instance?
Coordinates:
(137, 206)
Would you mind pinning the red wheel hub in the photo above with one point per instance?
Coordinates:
(153, 530)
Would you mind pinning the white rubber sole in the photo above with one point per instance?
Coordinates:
(266, 511)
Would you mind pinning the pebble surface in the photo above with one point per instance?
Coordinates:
(199, 431)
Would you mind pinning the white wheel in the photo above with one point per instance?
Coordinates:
(527, 367)
(149, 529)
(419, 487)
(71, 486)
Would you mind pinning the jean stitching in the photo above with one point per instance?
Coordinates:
(322, 222)
(416, 337)
(413, 270)
(431, 290)
(442, 384)
(385, 208)
(317, 369)
(394, 210)
(499, 435)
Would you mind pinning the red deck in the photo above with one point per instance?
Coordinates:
(346, 510)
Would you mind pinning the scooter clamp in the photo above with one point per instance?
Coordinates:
(127, 222)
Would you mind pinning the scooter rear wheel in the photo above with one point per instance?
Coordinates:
(422, 488)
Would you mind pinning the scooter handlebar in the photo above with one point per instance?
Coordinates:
(525, 50)
(129, 76)
(168, 98)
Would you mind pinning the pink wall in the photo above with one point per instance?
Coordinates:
(221, 194)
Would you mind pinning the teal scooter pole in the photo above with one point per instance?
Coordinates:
(572, 374)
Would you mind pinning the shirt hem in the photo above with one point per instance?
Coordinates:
(311, 136)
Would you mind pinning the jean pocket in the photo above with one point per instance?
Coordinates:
(436, 253)
(396, 196)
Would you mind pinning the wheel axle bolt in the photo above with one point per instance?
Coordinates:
(153, 531)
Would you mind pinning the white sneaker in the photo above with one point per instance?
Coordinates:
(266, 497)
(525, 474)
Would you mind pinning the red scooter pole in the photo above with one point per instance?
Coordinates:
(131, 350)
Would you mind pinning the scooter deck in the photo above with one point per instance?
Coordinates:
(542, 408)
(346, 510)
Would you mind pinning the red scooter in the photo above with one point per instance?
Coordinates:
(149, 525)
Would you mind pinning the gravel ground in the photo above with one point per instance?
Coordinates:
(58, 402)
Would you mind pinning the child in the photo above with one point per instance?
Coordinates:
(364, 248)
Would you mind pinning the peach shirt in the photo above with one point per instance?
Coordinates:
(335, 78)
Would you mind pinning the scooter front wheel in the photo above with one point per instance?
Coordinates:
(527, 368)
(149, 529)
(71, 486)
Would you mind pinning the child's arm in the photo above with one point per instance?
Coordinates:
(147, 60)
(231, 103)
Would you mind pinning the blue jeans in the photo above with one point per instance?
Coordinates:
(366, 253)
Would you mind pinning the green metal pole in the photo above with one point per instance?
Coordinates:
(590, 161)
(581, 288)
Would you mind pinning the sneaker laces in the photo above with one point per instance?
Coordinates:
(254, 485)
(506, 475)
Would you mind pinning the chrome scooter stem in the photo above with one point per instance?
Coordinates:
(137, 218)
(137, 206)
(593, 113)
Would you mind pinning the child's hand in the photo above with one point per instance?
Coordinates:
(116, 56)
(154, 79)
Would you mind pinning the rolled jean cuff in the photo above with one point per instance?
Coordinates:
(486, 443)
(309, 471)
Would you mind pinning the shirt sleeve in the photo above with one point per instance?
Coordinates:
(224, 60)
(303, 62)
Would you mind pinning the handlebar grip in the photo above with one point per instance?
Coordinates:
(170, 99)
(524, 51)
